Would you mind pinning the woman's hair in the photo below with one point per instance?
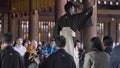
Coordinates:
(96, 44)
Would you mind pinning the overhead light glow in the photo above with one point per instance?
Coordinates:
(105, 2)
(99, 2)
(113, 19)
(117, 3)
(111, 3)
(74, 0)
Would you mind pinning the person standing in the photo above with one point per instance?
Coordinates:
(19, 47)
(9, 58)
(59, 59)
(96, 58)
(70, 22)
(76, 53)
(107, 44)
(49, 48)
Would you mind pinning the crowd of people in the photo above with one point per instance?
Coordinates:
(64, 50)
(32, 54)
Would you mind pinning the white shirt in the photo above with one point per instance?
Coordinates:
(76, 57)
(20, 49)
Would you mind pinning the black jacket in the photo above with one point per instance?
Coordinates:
(115, 58)
(76, 21)
(9, 58)
(60, 59)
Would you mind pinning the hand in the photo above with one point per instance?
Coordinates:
(37, 60)
(94, 6)
(30, 56)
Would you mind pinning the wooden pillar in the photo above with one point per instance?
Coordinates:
(33, 23)
(33, 28)
(20, 33)
(9, 16)
(117, 32)
(113, 30)
(13, 27)
(106, 25)
(90, 32)
(4, 23)
(59, 8)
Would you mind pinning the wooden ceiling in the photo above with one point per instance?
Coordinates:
(23, 5)
(4, 5)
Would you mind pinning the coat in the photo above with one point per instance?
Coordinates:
(76, 21)
(96, 59)
(59, 59)
(115, 58)
(9, 58)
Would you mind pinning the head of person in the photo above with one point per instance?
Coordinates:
(60, 41)
(95, 44)
(107, 41)
(52, 42)
(107, 38)
(19, 40)
(69, 7)
(77, 44)
(26, 42)
(34, 44)
(7, 39)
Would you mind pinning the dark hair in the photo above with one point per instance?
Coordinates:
(96, 44)
(107, 38)
(52, 39)
(25, 41)
(67, 6)
(15, 42)
(8, 38)
(108, 42)
(76, 41)
(60, 41)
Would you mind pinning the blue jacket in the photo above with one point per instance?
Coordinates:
(47, 50)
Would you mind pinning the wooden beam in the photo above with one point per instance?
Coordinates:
(112, 12)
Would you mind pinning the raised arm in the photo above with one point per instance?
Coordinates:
(85, 19)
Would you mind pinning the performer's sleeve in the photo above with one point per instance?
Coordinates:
(84, 20)
(56, 29)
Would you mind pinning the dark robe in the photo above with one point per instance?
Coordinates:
(59, 59)
(115, 58)
(108, 50)
(76, 21)
(9, 58)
